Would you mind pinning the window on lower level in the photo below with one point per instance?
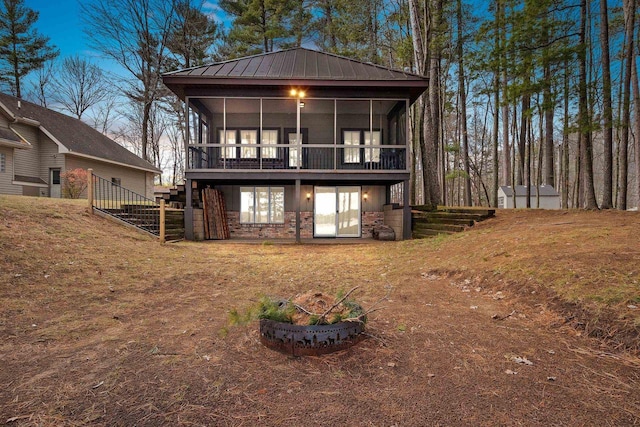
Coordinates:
(261, 205)
(3, 162)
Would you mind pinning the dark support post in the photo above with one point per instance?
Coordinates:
(188, 212)
(406, 220)
(298, 240)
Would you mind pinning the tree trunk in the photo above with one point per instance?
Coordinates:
(636, 104)
(586, 151)
(629, 24)
(462, 110)
(565, 140)
(607, 187)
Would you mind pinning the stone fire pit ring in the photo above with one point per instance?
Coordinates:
(310, 340)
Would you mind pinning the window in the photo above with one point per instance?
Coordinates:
(248, 138)
(55, 176)
(3, 162)
(372, 154)
(294, 157)
(230, 140)
(269, 137)
(261, 205)
(116, 181)
(351, 138)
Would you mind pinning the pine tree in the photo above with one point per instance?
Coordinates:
(22, 48)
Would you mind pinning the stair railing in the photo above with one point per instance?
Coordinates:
(119, 202)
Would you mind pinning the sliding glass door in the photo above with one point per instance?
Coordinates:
(337, 212)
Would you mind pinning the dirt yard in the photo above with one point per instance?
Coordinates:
(528, 319)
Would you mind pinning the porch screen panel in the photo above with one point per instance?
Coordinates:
(247, 139)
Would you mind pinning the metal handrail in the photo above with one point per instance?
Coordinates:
(119, 202)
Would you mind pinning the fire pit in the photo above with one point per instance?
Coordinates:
(309, 340)
(310, 325)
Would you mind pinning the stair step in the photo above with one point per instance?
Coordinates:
(440, 227)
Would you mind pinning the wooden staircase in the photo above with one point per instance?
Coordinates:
(174, 198)
(426, 222)
(146, 218)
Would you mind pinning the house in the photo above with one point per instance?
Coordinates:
(542, 197)
(300, 143)
(38, 144)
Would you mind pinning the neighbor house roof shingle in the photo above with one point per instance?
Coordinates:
(74, 135)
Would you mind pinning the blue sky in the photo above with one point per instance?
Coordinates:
(60, 21)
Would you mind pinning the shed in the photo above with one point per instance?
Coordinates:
(542, 197)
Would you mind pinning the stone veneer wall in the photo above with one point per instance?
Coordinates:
(369, 221)
(279, 231)
(272, 231)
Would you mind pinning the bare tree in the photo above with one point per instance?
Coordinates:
(79, 85)
(134, 33)
(607, 191)
(41, 87)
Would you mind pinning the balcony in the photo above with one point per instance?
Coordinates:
(308, 157)
(296, 134)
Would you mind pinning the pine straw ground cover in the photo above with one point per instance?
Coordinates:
(103, 326)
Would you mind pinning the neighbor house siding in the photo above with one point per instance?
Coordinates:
(6, 177)
(131, 179)
(27, 162)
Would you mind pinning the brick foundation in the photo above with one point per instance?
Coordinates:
(288, 229)
(271, 231)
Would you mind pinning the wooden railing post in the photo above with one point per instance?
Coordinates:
(162, 225)
(90, 189)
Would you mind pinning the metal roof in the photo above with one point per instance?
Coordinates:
(521, 190)
(75, 135)
(296, 66)
(297, 63)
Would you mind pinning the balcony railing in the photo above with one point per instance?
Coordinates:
(291, 157)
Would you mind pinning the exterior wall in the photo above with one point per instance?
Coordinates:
(393, 218)
(546, 202)
(27, 162)
(6, 177)
(132, 179)
(272, 231)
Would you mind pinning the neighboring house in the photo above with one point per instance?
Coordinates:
(542, 197)
(301, 143)
(38, 144)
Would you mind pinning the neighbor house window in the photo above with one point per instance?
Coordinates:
(269, 137)
(3, 162)
(116, 181)
(228, 152)
(372, 154)
(247, 139)
(351, 139)
(261, 205)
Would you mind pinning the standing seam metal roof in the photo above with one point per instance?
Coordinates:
(297, 63)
